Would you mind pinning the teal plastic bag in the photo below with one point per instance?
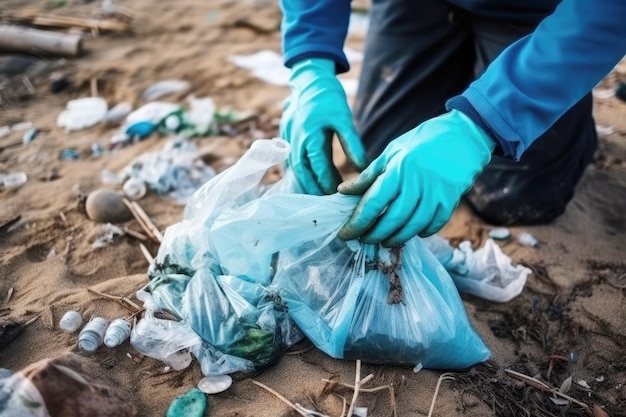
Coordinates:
(352, 300)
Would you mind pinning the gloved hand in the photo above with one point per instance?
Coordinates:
(416, 183)
(317, 108)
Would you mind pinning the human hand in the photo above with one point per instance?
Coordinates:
(316, 109)
(414, 186)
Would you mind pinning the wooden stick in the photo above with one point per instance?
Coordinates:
(34, 40)
(141, 217)
(135, 234)
(111, 25)
(443, 377)
(146, 253)
(280, 397)
(93, 84)
(357, 383)
(157, 233)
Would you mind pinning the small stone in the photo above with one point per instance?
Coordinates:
(106, 206)
(214, 384)
(191, 404)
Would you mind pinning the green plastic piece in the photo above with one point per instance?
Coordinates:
(191, 404)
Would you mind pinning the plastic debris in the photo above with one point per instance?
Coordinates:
(268, 66)
(486, 273)
(109, 177)
(71, 321)
(91, 337)
(83, 113)
(176, 171)
(153, 112)
(214, 384)
(14, 180)
(604, 130)
(29, 136)
(140, 130)
(118, 113)
(499, 233)
(191, 404)
(200, 115)
(526, 239)
(96, 150)
(165, 87)
(69, 154)
(117, 332)
(105, 235)
(134, 189)
(602, 93)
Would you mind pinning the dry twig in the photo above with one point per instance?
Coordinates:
(280, 397)
(144, 221)
(446, 376)
(146, 253)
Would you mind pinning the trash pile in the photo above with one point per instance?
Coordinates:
(252, 268)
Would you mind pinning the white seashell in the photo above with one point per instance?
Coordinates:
(215, 384)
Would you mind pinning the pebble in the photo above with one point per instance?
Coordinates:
(106, 206)
(71, 321)
(215, 384)
(191, 404)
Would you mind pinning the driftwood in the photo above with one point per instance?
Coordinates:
(21, 39)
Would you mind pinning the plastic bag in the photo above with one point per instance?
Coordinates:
(486, 273)
(352, 300)
(229, 323)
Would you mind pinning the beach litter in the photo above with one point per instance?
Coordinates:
(252, 267)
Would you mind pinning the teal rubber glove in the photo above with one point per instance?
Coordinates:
(316, 109)
(414, 186)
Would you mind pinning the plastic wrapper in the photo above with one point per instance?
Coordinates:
(352, 300)
(486, 273)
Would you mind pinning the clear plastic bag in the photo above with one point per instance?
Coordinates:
(486, 273)
(352, 300)
(229, 323)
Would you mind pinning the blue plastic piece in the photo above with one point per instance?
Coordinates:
(140, 130)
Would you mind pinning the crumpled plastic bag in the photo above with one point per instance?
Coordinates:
(352, 300)
(229, 323)
(486, 273)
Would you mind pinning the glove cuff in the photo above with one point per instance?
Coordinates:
(317, 65)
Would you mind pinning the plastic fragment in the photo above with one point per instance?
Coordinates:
(191, 404)
(499, 233)
(118, 113)
(14, 180)
(105, 236)
(214, 384)
(583, 384)
(96, 150)
(69, 154)
(134, 189)
(140, 130)
(29, 136)
(526, 239)
(83, 113)
(165, 87)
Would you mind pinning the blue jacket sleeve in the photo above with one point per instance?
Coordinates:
(538, 78)
(315, 28)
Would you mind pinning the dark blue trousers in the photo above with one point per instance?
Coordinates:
(419, 53)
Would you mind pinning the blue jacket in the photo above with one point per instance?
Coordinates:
(530, 84)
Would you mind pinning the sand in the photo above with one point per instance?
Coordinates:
(569, 321)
